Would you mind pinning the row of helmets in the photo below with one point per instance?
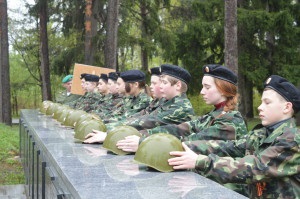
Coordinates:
(82, 122)
(153, 151)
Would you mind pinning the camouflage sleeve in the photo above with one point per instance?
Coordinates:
(173, 115)
(228, 126)
(279, 159)
(136, 106)
(180, 130)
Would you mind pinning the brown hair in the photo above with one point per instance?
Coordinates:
(174, 80)
(229, 91)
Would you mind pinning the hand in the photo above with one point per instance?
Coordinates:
(95, 136)
(184, 160)
(129, 144)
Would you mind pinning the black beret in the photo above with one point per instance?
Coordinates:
(113, 76)
(220, 72)
(286, 89)
(175, 71)
(104, 77)
(155, 71)
(82, 75)
(91, 78)
(133, 76)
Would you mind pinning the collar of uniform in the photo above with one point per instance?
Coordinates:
(277, 131)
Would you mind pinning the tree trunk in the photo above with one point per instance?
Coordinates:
(144, 51)
(5, 103)
(45, 69)
(90, 31)
(111, 34)
(231, 49)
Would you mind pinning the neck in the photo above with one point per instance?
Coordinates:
(220, 105)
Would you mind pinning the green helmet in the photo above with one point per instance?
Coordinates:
(60, 109)
(118, 133)
(154, 151)
(72, 117)
(87, 127)
(44, 106)
(52, 108)
(63, 115)
(84, 117)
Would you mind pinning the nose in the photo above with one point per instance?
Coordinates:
(259, 108)
(202, 91)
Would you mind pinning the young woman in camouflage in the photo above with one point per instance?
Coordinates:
(267, 159)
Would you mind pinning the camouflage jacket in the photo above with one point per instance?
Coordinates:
(268, 162)
(78, 101)
(154, 104)
(87, 103)
(132, 106)
(63, 98)
(216, 125)
(174, 111)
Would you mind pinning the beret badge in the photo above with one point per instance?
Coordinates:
(207, 69)
(268, 80)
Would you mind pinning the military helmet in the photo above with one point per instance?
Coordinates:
(87, 127)
(154, 151)
(52, 108)
(61, 118)
(84, 117)
(44, 106)
(118, 133)
(72, 117)
(59, 110)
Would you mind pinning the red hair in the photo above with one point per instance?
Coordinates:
(229, 91)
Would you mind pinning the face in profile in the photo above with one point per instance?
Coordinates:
(120, 86)
(272, 107)
(155, 87)
(167, 90)
(102, 86)
(210, 92)
(89, 86)
(112, 86)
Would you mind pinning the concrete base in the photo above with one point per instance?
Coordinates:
(13, 192)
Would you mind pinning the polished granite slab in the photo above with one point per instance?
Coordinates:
(89, 171)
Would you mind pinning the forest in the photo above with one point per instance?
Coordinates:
(255, 38)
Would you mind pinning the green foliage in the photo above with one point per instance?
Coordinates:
(200, 107)
(11, 171)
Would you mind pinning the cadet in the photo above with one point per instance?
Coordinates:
(66, 96)
(267, 158)
(91, 95)
(138, 99)
(222, 123)
(177, 108)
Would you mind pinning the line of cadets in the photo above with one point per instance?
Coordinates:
(262, 163)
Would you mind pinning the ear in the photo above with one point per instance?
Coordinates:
(178, 85)
(288, 107)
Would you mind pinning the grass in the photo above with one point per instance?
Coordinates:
(11, 170)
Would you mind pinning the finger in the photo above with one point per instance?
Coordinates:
(89, 135)
(186, 148)
(177, 153)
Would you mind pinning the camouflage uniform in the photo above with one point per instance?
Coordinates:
(154, 104)
(132, 106)
(63, 98)
(173, 111)
(267, 159)
(89, 98)
(106, 105)
(216, 125)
